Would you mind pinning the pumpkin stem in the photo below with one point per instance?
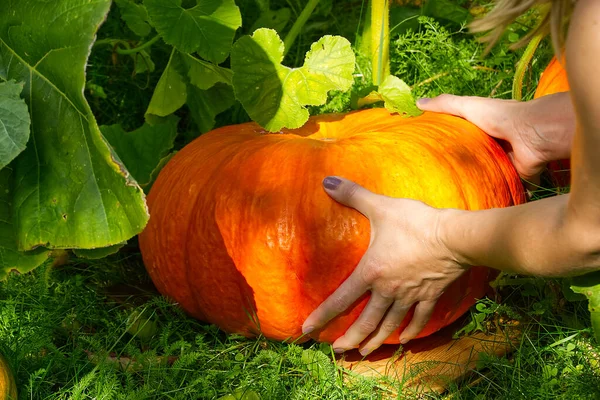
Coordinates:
(380, 40)
(290, 38)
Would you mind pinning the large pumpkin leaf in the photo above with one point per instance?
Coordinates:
(207, 28)
(170, 92)
(205, 105)
(96, 254)
(14, 122)
(71, 191)
(203, 74)
(142, 149)
(135, 16)
(275, 95)
(10, 257)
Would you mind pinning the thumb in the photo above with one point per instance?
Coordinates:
(350, 194)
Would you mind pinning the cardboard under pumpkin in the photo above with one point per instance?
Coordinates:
(430, 364)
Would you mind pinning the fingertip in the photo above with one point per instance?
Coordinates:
(423, 102)
(310, 323)
(423, 312)
(307, 329)
(331, 182)
(365, 351)
(339, 345)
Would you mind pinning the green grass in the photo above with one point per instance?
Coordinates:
(70, 332)
(100, 330)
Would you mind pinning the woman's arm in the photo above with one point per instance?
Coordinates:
(416, 251)
(561, 235)
(543, 238)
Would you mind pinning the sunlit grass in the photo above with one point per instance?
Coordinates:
(99, 329)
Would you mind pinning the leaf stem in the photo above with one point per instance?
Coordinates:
(140, 47)
(380, 40)
(124, 43)
(517, 88)
(290, 38)
(523, 63)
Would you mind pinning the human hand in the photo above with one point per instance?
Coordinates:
(534, 132)
(406, 264)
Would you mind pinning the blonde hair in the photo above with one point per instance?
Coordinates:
(555, 16)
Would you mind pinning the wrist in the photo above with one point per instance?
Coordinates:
(448, 235)
(549, 125)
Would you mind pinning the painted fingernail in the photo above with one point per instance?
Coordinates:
(423, 101)
(365, 352)
(339, 350)
(308, 330)
(331, 182)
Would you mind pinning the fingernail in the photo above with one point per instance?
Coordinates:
(423, 101)
(339, 350)
(365, 352)
(308, 330)
(403, 341)
(331, 182)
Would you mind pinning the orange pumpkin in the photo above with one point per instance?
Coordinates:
(8, 387)
(554, 80)
(242, 234)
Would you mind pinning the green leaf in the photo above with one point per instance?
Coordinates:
(273, 19)
(513, 37)
(402, 19)
(142, 149)
(96, 254)
(205, 105)
(397, 96)
(161, 164)
(241, 394)
(274, 95)
(143, 324)
(207, 28)
(95, 90)
(447, 9)
(14, 122)
(317, 364)
(569, 294)
(10, 257)
(70, 189)
(170, 92)
(143, 62)
(203, 74)
(135, 16)
(589, 286)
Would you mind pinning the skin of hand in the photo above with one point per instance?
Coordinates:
(533, 132)
(417, 251)
(397, 239)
